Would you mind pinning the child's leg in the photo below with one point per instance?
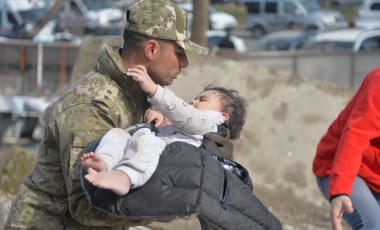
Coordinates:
(115, 180)
(141, 157)
(112, 146)
(94, 161)
(137, 166)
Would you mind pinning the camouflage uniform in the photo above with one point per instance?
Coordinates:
(52, 197)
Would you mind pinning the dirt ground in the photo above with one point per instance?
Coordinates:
(294, 213)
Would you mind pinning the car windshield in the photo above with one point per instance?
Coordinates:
(310, 5)
(338, 45)
(97, 5)
(33, 15)
(213, 41)
(329, 45)
(272, 44)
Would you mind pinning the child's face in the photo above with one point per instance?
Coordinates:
(208, 100)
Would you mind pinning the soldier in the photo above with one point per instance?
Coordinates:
(51, 196)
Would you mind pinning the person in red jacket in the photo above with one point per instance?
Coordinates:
(347, 161)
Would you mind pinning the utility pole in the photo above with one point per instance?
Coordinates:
(200, 21)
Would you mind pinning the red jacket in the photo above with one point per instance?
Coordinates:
(351, 146)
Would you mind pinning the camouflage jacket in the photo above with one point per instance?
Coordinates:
(51, 197)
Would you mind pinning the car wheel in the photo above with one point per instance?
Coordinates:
(88, 31)
(257, 31)
(335, 3)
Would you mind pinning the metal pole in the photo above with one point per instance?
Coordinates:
(40, 55)
(295, 63)
(22, 58)
(353, 69)
(63, 72)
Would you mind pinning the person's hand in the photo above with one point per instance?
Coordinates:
(154, 116)
(140, 75)
(339, 205)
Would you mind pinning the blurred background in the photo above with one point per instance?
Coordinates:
(330, 41)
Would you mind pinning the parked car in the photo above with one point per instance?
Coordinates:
(217, 20)
(22, 116)
(354, 39)
(224, 1)
(80, 17)
(124, 4)
(370, 9)
(286, 40)
(17, 18)
(337, 3)
(216, 37)
(369, 24)
(264, 16)
(368, 15)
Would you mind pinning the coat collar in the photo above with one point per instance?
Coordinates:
(111, 65)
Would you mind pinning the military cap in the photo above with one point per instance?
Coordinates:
(161, 19)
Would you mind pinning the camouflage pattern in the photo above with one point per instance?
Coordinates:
(51, 197)
(162, 19)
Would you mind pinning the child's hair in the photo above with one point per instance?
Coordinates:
(235, 106)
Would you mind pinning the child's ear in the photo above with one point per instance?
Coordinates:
(225, 116)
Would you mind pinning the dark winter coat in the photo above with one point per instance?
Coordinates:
(189, 180)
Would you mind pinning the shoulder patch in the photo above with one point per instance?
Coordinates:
(107, 92)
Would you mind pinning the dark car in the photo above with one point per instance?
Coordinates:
(222, 39)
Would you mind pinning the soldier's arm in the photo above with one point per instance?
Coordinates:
(77, 127)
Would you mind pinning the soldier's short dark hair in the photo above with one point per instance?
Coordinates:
(133, 41)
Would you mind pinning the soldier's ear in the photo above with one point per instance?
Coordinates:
(151, 49)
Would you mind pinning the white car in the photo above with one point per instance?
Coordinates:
(336, 3)
(354, 39)
(218, 20)
(104, 12)
(368, 15)
(282, 40)
(18, 18)
(369, 9)
(22, 116)
(81, 17)
(264, 16)
(369, 24)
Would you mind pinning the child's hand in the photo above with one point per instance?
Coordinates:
(140, 75)
(152, 116)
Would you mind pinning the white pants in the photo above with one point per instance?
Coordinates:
(135, 155)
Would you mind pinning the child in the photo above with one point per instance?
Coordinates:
(122, 161)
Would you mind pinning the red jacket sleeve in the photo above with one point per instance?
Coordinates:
(363, 124)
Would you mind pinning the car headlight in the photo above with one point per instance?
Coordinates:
(328, 19)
